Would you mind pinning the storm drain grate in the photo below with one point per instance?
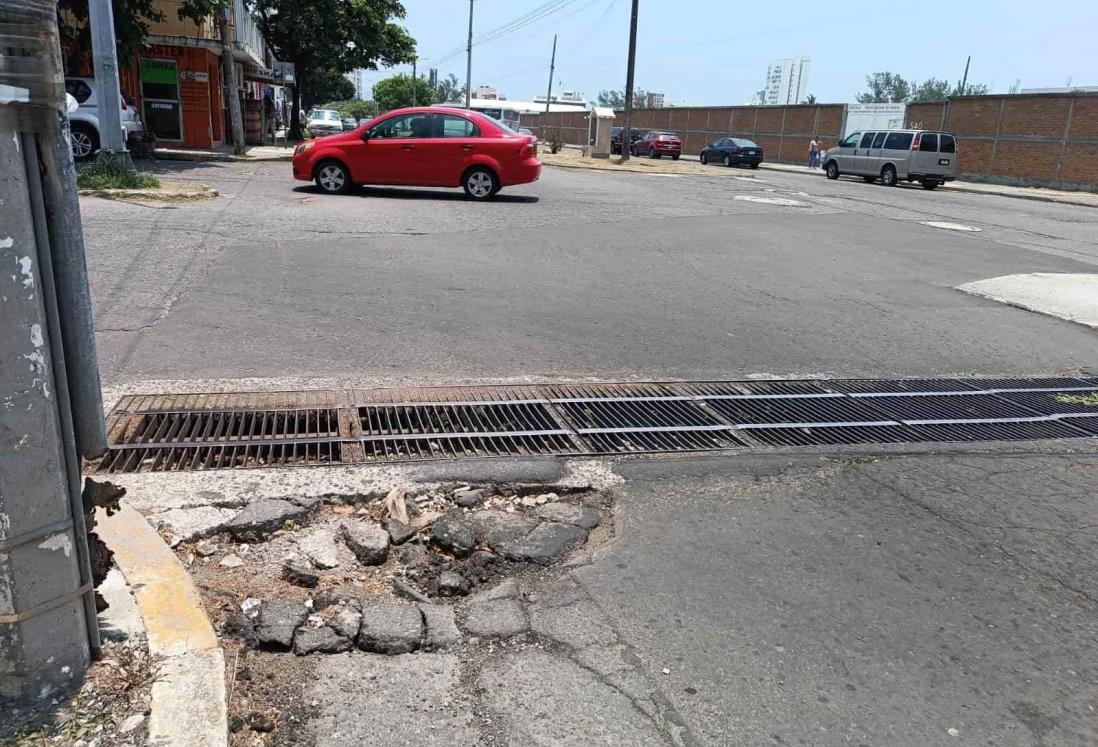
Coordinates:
(163, 433)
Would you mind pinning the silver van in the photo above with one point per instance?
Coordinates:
(923, 156)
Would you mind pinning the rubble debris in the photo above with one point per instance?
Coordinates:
(508, 588)
(452, 584)
(231, 561)
(399, 532)
(499, 526)
(352, 596)
(454, 534)
(347, 622)
(568, 513)
(440, 629)
(277, 621)
(205, 548)
(495, 618)
(367, 540)
(406, 590)
(319, 545)
(470, 497)
(259, 520)
(324, 640)
(243, 627)
(261, 722)
(395, 505)
(299, 574)
(547, 543)
(390, 628)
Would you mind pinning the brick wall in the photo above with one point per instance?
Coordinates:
(1048, 140)
(783, 131)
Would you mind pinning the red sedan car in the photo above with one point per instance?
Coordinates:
(656, 144)
(422, 147)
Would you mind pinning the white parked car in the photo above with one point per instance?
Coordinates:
(325, 122)
(84, 122)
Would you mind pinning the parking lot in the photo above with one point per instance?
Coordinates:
(582, 274)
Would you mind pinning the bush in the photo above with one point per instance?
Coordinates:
(111, 174)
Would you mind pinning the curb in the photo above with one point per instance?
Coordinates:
(162, 195)
(202, 157)
(627, 170)
(189, 706)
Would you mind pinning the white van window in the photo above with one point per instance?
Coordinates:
(899, 141)
(929, 143)
(879, 140)
(867, 140)
(851, 140)
(948, 144)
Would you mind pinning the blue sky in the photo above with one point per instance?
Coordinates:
(716, 51)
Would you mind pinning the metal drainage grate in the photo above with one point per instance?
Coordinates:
(434, 430)
(225, 431)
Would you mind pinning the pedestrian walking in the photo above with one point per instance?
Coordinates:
(813, 154)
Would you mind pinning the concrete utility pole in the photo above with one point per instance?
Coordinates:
(232, 92)
(625, 138)
(112, 141)
(549, 93)
(414, 81)
(964, 80)
(48, 630)
(469, 59)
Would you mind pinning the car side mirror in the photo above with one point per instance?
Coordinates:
(365, 136)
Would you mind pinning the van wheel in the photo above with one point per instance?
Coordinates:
(480, 183)
(930, 184)
(888, 176)
(84, 141)
(869, 179)
(333, 178)
(832, 170)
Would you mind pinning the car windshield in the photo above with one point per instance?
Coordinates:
(326, 114)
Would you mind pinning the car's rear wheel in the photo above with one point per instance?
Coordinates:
(869, 179)
(480, 183)
(727, 161)
(84, 141)
(333, 178)
(676, 156)
(754, 165)
(888, 176)
(703, 158)
(653, 154)
(832, 170)
(930, 184)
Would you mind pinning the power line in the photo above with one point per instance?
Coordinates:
(517, 24)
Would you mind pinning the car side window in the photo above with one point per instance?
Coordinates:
(899, 141)
(851, 141)
(879, 140)
(406, 126)
(867, 140)
(78, 89)
(929, 143)
(948, 144)
(451, 125)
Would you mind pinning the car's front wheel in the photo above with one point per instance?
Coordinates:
(728, 161)
(832, 170)
(930, 184)
(84, 141)
(480, 183)
(333, 178)
(675, 157)
(703, 158)
(888, 176)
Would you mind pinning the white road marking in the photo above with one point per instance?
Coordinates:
(949, 226)
(1070, 296)
(784, 201)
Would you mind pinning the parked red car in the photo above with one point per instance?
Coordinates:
(656, 144)
(422, 147)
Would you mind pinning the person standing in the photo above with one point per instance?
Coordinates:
(813, 154)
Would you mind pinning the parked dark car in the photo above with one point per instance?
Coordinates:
(349, 124)
(733, 151)
(615, 137)
(657, 144)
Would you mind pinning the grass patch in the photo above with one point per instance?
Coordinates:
(1089, 400)
(111, 174)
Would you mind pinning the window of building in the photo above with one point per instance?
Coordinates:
(160, 99)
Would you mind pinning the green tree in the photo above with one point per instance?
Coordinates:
(449, 90)
(396, 92)
(971, 89)
(325, 85)
(318, 36)
(885, 88)
(616, 99)
(931, 89)
(811, 99)
(131, 23)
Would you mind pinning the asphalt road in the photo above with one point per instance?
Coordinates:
(583, 274)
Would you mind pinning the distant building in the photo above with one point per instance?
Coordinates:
(862, 117)
(363, 90)
(487, 93)
(786, 81)
(1063, 89)
(758, 98)
(653, 100)
(564, 97)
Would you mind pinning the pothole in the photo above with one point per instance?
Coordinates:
(783, 201)
(947, 226)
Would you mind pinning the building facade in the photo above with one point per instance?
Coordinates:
(363, 89)
(786, 81)
(653, 100)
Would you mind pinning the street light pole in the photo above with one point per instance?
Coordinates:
(626, 140)
(112, 141)
(469, 59)
(549, 93)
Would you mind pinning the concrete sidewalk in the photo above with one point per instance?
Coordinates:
(225, 153)
(1086, 199)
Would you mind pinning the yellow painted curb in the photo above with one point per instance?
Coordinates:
(189, 706)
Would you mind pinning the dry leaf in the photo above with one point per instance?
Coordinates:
(395, 506)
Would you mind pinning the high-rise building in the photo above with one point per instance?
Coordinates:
(363, 89)
(653, 100)
(787, 81)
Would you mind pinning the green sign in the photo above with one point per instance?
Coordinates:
(158, 71)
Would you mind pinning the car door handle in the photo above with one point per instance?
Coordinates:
(467, 148)
(407, 147)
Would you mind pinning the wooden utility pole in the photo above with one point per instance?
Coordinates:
(549, 93)
(232, 93)
(626, 141)
(964, 80)
(469, 60)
